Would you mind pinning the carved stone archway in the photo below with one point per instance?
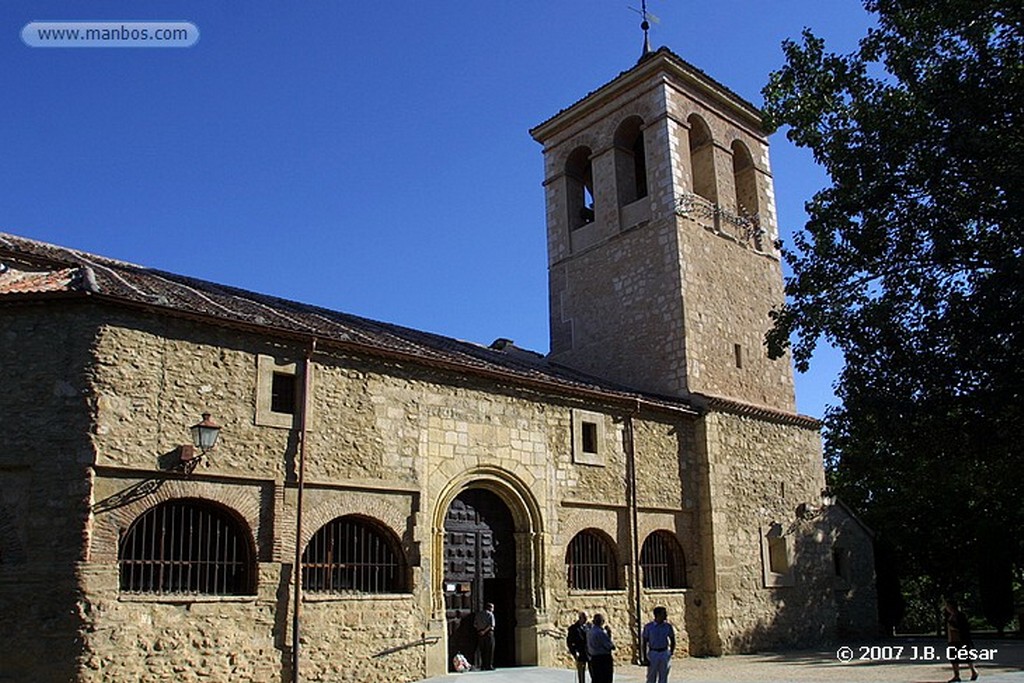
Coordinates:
(527, 531)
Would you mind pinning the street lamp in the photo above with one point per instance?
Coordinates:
(807, 511)
(204, 438)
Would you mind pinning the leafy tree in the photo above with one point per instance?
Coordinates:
(912, 263)
(995, 580)
(891, 605)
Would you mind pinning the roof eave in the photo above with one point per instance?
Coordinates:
(662, 60)
(635, 402)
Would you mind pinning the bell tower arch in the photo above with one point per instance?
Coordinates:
(665, 282)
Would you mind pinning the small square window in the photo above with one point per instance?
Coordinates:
(841, 564)
(588, 438)
(778, 561)
(278, 392)
(776, 558)
(589, 430)
(282, 393)
(839, 561)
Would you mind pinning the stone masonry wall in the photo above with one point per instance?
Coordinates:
(187, 638)
(667, 304)
(44, 488)
(729, 292)
(668, 496)
(625, 309)
(619, 273)
(392, 442)
(759, 473)
(856, 594)
(728, 286)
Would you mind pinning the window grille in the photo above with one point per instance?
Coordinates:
(351, 554)
(186, 547)
(661, 559)
(590, 563)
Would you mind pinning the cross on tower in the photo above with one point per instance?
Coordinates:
(646, 18)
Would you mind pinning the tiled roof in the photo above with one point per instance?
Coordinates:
(34, 268)
(15, 281)
(672, 57)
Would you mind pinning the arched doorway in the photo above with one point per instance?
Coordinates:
(480, 567)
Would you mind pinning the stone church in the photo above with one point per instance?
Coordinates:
(372, 485)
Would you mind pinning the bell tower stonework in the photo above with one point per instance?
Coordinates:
(661, 230)
(662, 272)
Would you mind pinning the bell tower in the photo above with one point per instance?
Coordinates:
(661, 230)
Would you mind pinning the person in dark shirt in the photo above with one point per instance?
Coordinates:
(576, 641)
(484, 624)
(958, 637)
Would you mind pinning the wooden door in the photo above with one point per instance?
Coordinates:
(480, 556)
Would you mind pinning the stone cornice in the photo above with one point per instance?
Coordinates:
(718, 404)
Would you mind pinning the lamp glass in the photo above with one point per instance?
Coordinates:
(204, 434)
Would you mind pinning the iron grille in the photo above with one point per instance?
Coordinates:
(185, 546)
(661, 560)
(589, 565)
(351, 555)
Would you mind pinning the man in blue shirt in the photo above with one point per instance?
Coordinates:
(659, 642)
(599, 650)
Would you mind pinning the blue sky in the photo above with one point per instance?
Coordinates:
(367, 157)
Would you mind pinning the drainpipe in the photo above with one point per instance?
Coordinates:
(634, 529)
(307, 383)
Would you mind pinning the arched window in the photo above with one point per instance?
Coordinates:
(662, 561)
(630, 161)
(702, 159)
(187, 546)
(579, 185)
(353, 554)
(590, 562)
(745, 180)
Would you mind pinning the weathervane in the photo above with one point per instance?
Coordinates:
(645, 24)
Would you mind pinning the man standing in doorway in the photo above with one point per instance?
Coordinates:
(576, 641)
(484, 625)
(659, 642)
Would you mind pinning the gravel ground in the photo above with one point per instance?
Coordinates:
(803, 666)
